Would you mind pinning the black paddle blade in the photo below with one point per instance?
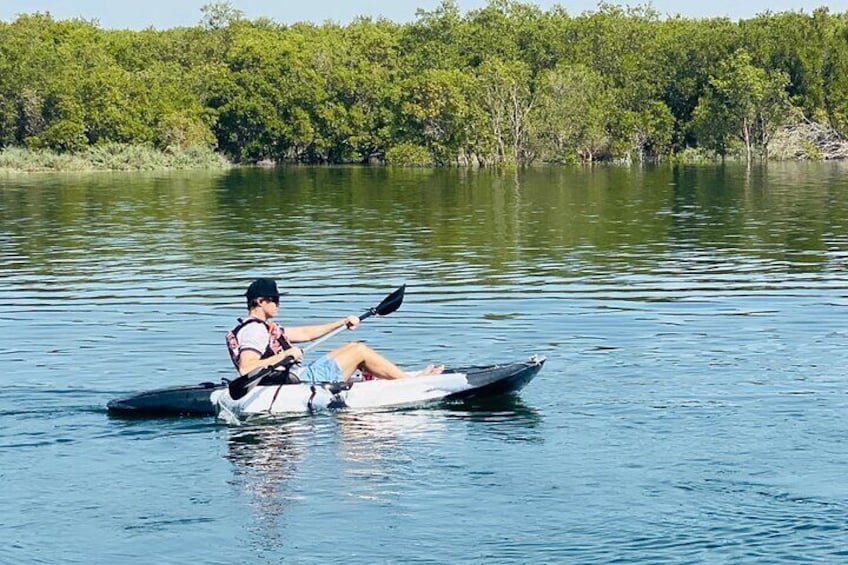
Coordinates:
(238, 388)
(242, 385)
(391, 303)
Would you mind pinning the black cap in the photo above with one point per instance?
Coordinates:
(262, 288)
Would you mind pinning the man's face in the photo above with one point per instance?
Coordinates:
(270, 305)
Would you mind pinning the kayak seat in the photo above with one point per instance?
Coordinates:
(280, 378)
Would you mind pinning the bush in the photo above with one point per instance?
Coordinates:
(64, 136)
(111, 157)
(178, 132)
(409, 155)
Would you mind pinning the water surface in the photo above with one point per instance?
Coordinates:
(692, 407)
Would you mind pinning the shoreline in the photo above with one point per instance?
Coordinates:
(111, 157)
(140, 158)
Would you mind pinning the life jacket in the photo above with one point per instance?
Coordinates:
(277, 341)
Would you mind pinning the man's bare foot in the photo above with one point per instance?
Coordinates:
(433, 370)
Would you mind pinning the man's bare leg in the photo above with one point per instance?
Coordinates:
(356, 355)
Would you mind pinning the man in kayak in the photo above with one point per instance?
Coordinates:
(257, 342)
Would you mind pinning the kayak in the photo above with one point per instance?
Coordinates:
(209, 399)
(453, 384)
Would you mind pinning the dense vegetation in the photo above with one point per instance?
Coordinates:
(508, 83)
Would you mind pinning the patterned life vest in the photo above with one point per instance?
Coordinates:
(277, 341)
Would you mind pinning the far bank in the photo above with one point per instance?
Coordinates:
(110, 157)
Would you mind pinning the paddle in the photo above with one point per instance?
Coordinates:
(242, 385)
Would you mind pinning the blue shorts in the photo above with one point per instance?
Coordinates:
(321, 370)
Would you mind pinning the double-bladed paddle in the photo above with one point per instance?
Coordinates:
(242, 385)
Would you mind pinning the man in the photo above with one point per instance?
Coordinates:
(257, 342)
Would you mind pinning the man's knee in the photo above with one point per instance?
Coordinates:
(357, 348)
(361, 349)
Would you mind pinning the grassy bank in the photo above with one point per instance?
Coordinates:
(111, 157)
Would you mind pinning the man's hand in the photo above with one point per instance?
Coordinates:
(351, 322)
(294, 352)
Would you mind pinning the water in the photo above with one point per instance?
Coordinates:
(692, 408)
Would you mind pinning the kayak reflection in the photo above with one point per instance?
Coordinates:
(265, 457)
(265, 446)
(381, 452)
(508, 409)
(364, 454)
(373, 436)
(507, 418)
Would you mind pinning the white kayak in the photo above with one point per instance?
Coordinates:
(452, 384)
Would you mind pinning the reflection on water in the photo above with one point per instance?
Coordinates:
(506, 408)
(370, 448)
(366, 432)
(265, 458)
(493, 221)
(507, 418)
(268, 450)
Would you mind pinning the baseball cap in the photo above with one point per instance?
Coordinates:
(262, 288)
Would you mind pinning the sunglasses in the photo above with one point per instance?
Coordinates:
(274, 299)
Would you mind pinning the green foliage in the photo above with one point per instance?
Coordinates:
(503, 90)
(180, 130)
(742, 102)
(812, 151)
(409, 154)
(571, 115)
(220, 15)
(64, 135)
(109, 156)
(436, 112)
(508, 83)
(651, 129)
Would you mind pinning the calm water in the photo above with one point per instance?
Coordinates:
(693, 408)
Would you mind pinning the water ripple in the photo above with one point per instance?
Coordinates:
(690, 409)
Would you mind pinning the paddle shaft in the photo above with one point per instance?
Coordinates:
(288, 361)
(324, 338)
